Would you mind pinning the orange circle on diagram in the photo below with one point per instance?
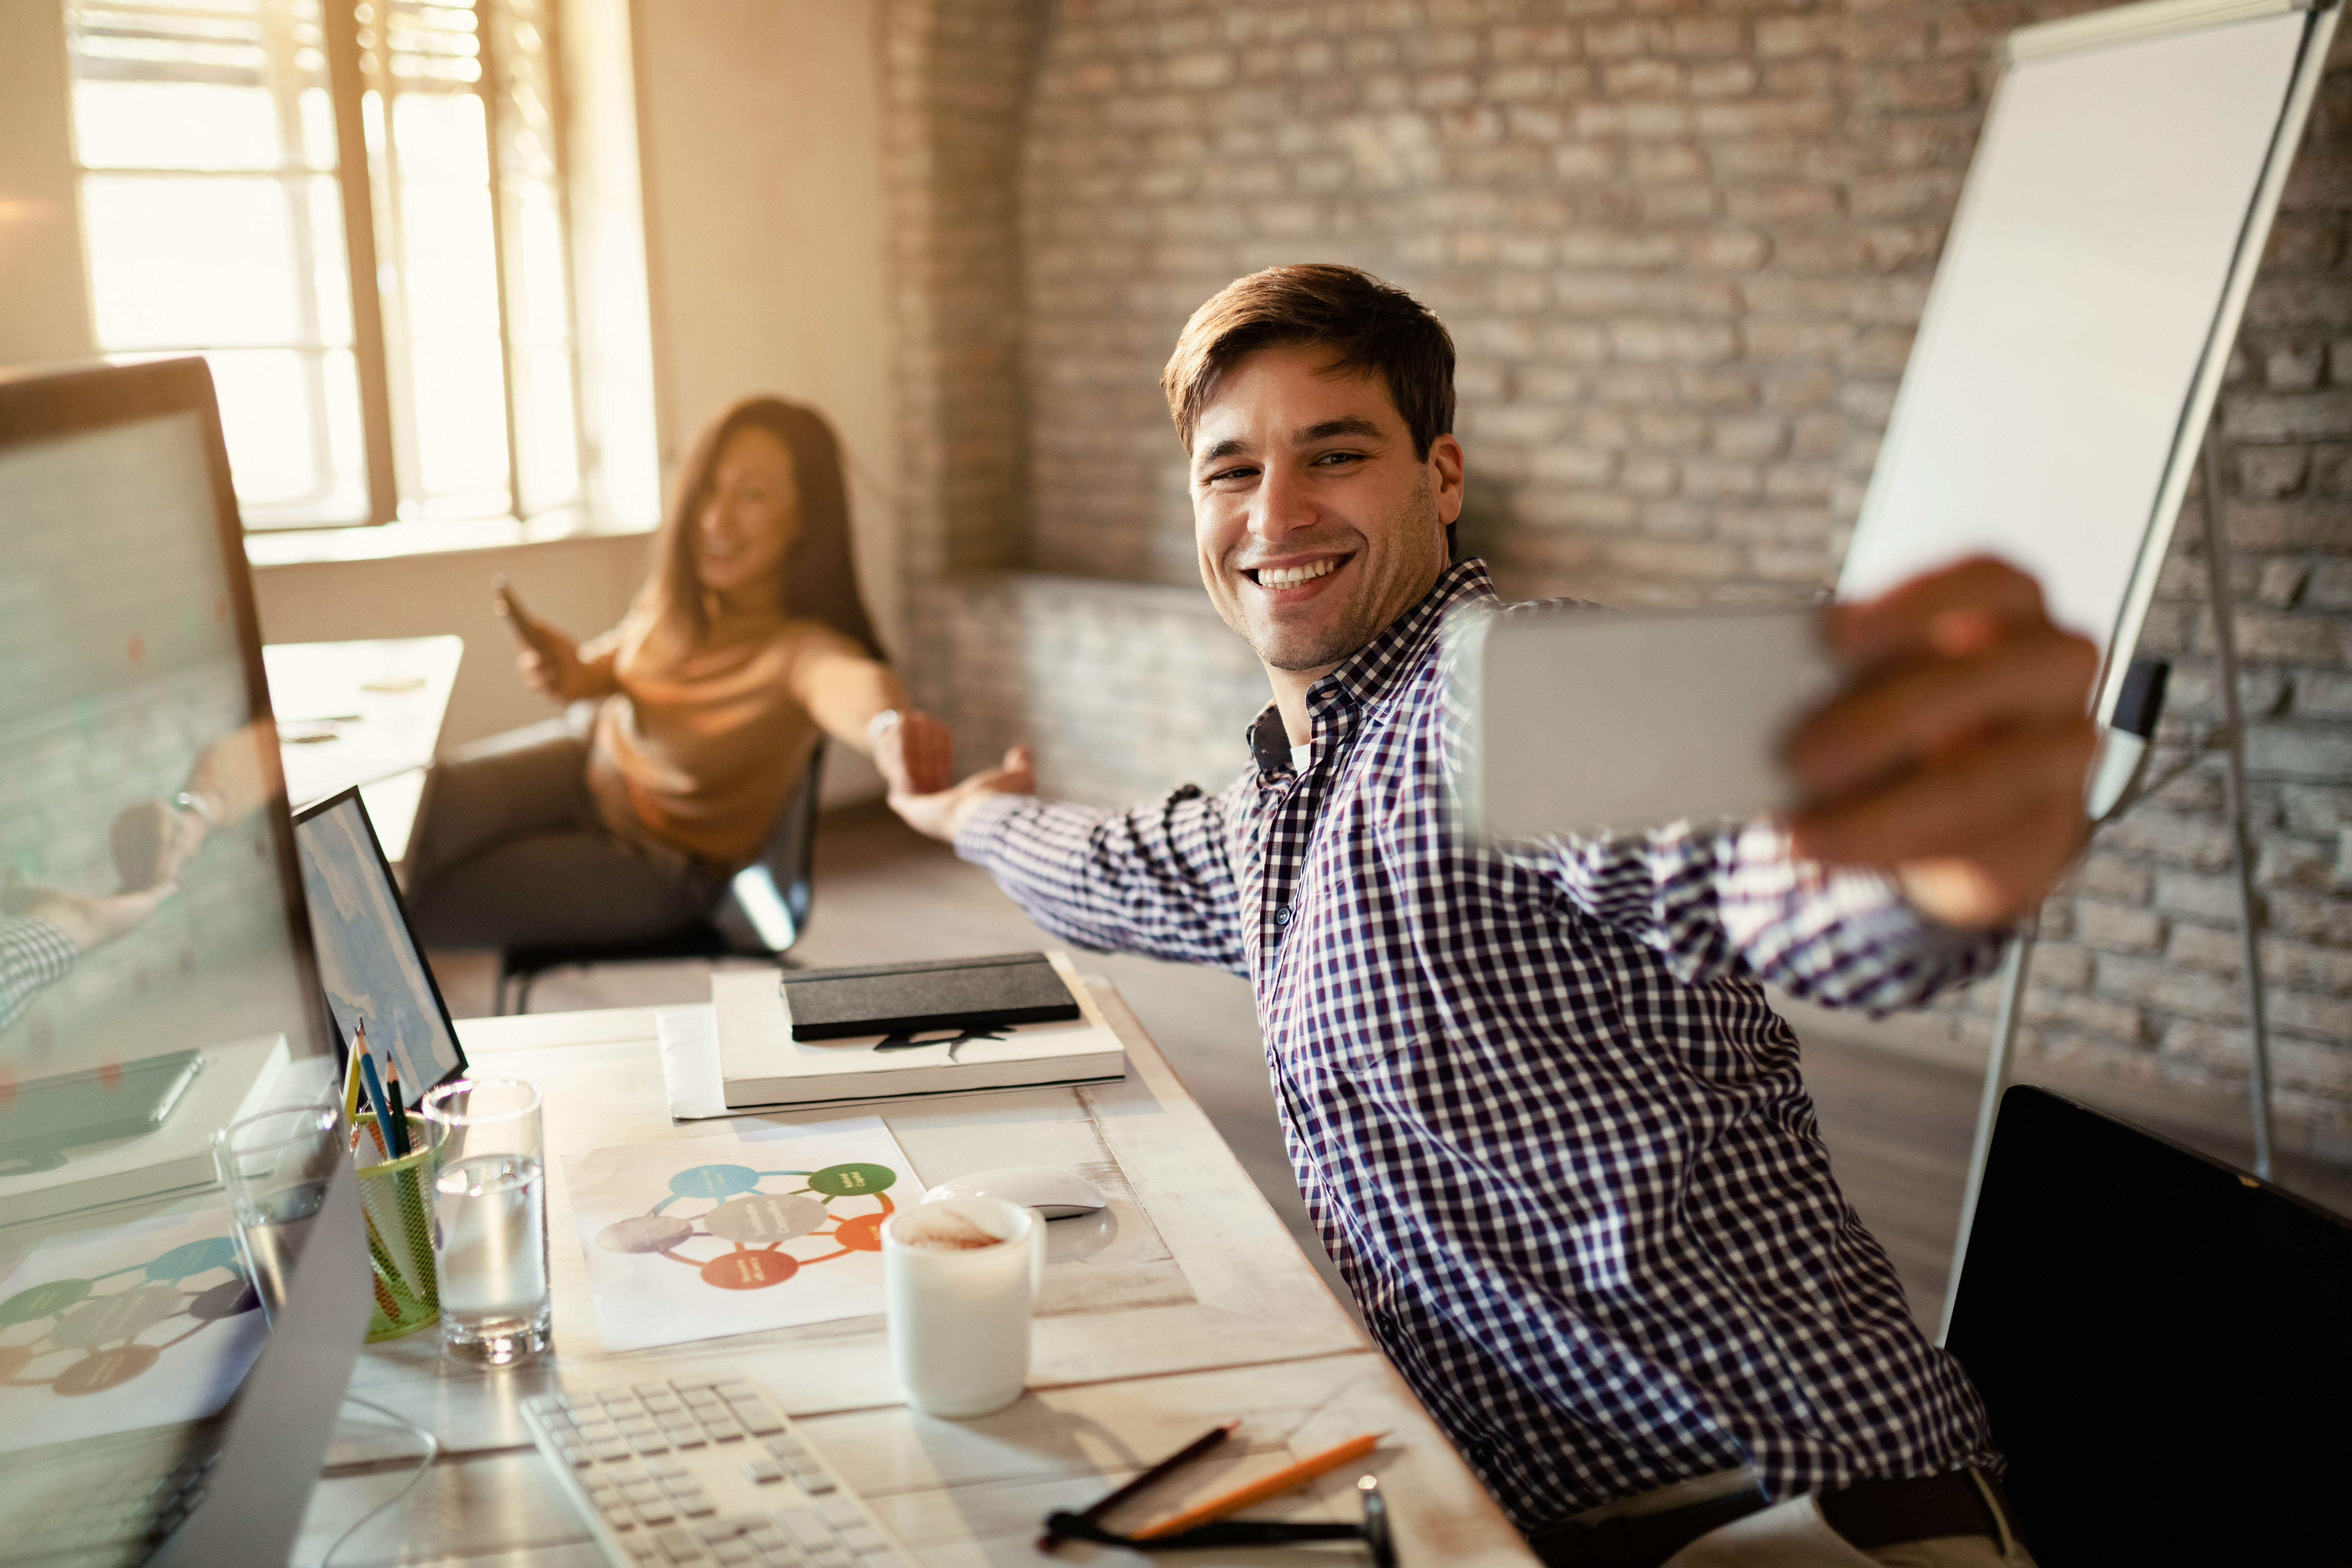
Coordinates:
(863, 1234)
(102, 1370)
(749, 1270)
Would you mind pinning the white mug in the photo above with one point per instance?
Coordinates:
(960, 1313)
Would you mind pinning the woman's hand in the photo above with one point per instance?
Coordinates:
(915, 751)
(553, 668)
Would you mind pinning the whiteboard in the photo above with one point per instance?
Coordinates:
(2073, 338)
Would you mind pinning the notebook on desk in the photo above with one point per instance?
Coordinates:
(913, 1047)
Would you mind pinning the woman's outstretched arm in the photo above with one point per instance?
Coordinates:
(863, 704)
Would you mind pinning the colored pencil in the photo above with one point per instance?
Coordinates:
(1258, 1490)
(1184, 1455)
(376, 1104)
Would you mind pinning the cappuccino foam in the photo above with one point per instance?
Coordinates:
(941, 1230)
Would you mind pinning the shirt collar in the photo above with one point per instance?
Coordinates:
(1375, 671)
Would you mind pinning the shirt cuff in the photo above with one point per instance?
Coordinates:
(977, 837)
(1842, 937)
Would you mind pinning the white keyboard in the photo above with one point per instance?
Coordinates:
(703, 1470)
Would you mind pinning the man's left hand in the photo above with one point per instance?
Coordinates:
(1956, 757)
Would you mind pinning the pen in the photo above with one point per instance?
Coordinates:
(1184, 1455)
(375, 1103)
(398, 1105)
(1258, 1490)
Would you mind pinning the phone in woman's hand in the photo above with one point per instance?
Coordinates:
(527, 632)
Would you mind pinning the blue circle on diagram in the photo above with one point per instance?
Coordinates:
(195, 1258)
(714, 1181)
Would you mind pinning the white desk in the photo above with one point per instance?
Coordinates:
(366, 713)
(1201, 1311)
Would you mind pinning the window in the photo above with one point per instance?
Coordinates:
(234, 155)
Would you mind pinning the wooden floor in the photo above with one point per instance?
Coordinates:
(1898, 1125)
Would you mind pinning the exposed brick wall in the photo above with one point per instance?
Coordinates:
(955, 75)
(1683, 252)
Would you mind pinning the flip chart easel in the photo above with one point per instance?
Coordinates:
(2072, 350)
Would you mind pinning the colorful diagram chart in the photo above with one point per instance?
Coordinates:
(768, 1228)
(125, 1326)
(80, 1337)
(758, 1223)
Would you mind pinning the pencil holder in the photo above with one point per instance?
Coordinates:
(396, 1197)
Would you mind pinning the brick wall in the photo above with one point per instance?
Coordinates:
(1683, 252)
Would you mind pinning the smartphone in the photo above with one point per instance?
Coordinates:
(48, 1116)
(527, 631)
(1585, 720)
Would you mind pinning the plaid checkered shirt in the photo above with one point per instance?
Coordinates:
(1545, 1121)
(34, 954)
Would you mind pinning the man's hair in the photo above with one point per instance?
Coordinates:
(1370, 327)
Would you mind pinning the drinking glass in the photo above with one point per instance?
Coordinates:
(489, 1219)
(276, 1167)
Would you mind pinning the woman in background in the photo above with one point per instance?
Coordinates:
(749, 642)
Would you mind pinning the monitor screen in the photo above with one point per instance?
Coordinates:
(156, 977)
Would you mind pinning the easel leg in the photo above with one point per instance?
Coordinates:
(1997, 1075)
(2225, 657)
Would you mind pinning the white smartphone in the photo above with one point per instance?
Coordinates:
(1587, 720)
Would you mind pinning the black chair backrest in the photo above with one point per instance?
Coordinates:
(2164, 1344)
(768, 903)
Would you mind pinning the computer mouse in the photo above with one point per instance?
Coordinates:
(1056, 1194)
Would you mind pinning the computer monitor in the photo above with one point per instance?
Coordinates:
(157, 981)
(2160, 1342)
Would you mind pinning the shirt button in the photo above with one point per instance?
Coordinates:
(1282, 916)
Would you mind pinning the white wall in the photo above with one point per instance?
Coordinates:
(580, 584)
(43, 307)
(759, 135)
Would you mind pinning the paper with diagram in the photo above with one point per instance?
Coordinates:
(697, 1238)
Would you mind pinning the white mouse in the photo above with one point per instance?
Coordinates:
(1056, 1194)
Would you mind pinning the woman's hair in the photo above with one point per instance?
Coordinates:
(818, 573)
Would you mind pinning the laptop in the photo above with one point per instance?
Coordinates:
(2164, 1344)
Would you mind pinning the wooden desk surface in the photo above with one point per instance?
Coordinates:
(1192, 1307)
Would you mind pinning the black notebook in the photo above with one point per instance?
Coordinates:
(947, 994)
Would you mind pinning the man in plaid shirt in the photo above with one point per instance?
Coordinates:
(1549, 1127)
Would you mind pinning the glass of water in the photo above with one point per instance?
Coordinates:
(489, 1219)
(276, 1167)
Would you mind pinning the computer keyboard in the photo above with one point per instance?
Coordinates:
(99, 1512)
(703, 1470)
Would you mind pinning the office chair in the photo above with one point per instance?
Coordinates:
(762, 914)
(2160, 1341)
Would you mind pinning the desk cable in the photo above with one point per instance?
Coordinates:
(432, 1452)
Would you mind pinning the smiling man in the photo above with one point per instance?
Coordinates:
(1547, 1125)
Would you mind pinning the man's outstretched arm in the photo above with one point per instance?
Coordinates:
(1153, 879)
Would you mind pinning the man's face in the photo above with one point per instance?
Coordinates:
(1315, 523)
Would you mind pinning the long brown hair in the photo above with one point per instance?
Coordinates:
(818, 575)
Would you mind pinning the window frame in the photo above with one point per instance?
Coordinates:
(341, 23)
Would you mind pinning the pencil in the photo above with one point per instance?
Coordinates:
(1258, 1490)
(1183, 1455)
(351, 1085)
(399, 1107)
